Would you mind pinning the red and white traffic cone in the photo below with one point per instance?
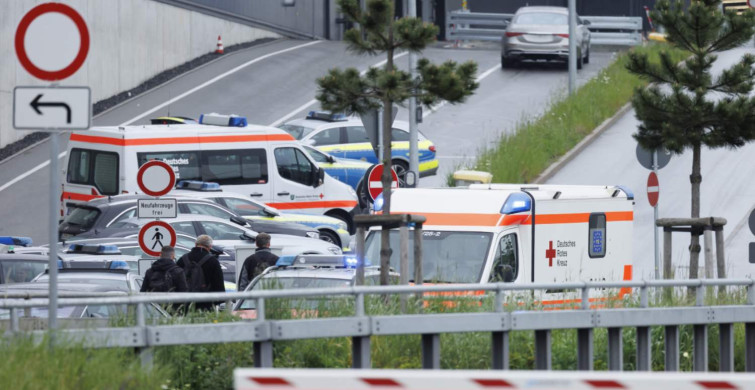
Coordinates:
(219, 50)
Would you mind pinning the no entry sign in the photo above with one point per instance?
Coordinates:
(156, 178)
(52, 41)
(653, 189)
(154, 236)
(374, 183)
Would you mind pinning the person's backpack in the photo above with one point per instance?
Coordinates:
(195, 274)
(162, 281)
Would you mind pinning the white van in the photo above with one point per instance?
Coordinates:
(264, 162)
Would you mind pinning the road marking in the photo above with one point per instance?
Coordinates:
(215, 79)
(443, 103)
(171, 101)
(313, 101)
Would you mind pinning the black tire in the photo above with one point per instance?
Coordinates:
(506, 63)
(328, 236)
(587, 56)
(401, 168)
(363, 197)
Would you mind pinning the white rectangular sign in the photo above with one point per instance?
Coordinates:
(157, 208)
(52, 108)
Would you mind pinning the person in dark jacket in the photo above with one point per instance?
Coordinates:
(164, 275)
(255, 264)
(211, 275)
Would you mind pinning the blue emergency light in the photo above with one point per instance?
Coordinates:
(222, 120)
(197, 185)
(320, 261)
(119, 264)
(326, 116)
(378, 204)
(516, 203)
(17, 241)
(94, 249)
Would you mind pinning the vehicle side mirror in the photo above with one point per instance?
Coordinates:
(586, 22)
(238, 220)
(248, 236)
(318, 177)
(271, 211)
(309, 142)
(331, 160)
(505, 273)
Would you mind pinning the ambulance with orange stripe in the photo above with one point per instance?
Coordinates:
(264, 162)
(517, 233)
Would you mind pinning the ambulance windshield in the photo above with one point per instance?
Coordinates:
(447, 257)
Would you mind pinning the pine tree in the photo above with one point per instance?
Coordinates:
(685, 106)
(347, 91)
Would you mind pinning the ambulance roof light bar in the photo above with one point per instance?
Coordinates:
(626, 190)
(517, 202)
(15, 241)
(216, 119)
(196, 185)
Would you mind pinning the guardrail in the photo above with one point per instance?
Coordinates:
(360, 327)
(604, 30)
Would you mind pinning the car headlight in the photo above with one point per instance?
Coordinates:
(313, 235)
(334, 250)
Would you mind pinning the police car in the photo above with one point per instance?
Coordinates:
(309, 271)
(347, 170)
(331, 229)
(345, 137)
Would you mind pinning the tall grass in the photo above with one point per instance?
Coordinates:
(521, 155)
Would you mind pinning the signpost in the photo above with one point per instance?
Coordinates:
(752, 229)
(156, 178)
(374, 183)
(654, 160)
(154, 236)
(52, 43)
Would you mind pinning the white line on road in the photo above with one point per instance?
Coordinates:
(443, 103)
(313, 101)
(181, 96)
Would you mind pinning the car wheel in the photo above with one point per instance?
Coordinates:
(328, 236)
(507, 63)
(587, 56)
(401, 168)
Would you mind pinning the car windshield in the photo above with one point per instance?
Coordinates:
(112, 284)
(20, 271)
(547, 18)
(83, 217)
(447, 257)
(316, 155)
(298, 132)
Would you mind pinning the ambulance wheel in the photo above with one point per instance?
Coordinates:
(328, 236)
(363, 197)
(401, 168)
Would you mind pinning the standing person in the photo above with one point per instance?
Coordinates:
(255, 264)
(164, 275)
(203, 272)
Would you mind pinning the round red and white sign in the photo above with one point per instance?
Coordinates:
(156, 178)
(374, 183)
(52, 41)
(654, 189)
(751, 3)
(154, 236)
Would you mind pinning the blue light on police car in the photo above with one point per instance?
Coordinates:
(119, 264)
(516, 203)
(198, 185)
(285, 261)
(350, 261)
(17, 241)
(222, 120)
(326, 116)
(378, 204)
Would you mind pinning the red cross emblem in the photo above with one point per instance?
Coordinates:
(550, 254)
(321, 195)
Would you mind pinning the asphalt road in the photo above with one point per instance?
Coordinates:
(276, 81)
(726, 191)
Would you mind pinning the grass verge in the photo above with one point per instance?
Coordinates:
(522, 155)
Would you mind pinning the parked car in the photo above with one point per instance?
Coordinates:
(120, 279)
(21, 268)
(542, 33)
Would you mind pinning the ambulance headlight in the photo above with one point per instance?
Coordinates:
(517, 202)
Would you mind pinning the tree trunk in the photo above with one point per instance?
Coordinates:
(387, 179)
(695, 179)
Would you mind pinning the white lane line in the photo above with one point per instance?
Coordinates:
(443, 103)
(215, 79)
(181, 96)
(313, 101)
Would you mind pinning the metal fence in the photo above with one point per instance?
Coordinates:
(604, 30)
(360, 326)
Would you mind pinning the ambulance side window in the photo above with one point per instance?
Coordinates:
(235, 166)
(327, 137)
(185, 164)
(95, 168)
(506, 255)
(597, 235)
(78, 166)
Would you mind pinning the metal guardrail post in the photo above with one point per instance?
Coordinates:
(404, 263)
(671, 348)
(360, 345)
(726, 347)
(431, 351)
(360, 242)
(615, 350)
(14, 320)
(585, 353)
(500, 347)
(263, 350)
(146, 354)
(700, 348)
(418, 254)
(643, 336)
(543, 350)
(750, 333)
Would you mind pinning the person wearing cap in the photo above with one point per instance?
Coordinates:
(261, 259)
(203, 271)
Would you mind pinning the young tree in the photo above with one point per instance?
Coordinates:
(686, 107)
(347, 91)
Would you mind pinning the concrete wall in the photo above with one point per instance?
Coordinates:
(131, 41)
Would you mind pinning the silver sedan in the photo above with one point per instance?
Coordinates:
(542, 33)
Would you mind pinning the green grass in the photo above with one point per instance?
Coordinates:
(536, 143)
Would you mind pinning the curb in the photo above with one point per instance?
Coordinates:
(568, 156)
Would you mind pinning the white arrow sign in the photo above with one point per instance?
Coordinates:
(52, 108)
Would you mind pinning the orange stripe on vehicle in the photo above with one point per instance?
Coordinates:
(627, 277)
(81, 197)
(461, 219)
(615, 216)
(179, 140)
(314, 205)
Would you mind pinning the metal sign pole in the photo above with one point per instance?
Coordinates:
(52, 311)
(655, 220)
(572, 46)
(413, 132)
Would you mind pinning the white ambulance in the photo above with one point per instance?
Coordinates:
(518, 233)
(264, 162)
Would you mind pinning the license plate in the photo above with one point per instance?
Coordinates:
(538, 38)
